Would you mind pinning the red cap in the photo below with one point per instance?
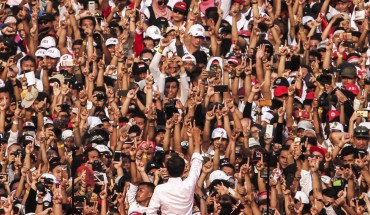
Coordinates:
(353, 88)
(244, 33)
(180, 6)
(237, 1)
(333, 114)
(310, 96)
(318, 149)
(241, 91)
(233, 60)
(280, 90)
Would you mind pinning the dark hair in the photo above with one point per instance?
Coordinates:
(150, 185)
(146, 51)
(175, 165)
(211, 13)
(349, 150)
(77, 42)
(28, 58)
(90, 149)
(172, 79)
(200, 57)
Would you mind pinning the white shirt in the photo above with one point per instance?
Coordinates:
(176, 196)
(134, 205)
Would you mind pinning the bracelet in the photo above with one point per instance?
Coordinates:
(120, 61)
(84, 43)
(15, 122)
(40, 203)
(160, 51)
(60, 146)
(132, 160)
(83, 105)
(71, 11)
(145, 156)
(192, 19)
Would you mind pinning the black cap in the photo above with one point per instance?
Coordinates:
(152, 165)
(160, 128)
(361, 131)
(281, 82)
(4, 137)
(46, 16)
(161, 21)
(139, 67)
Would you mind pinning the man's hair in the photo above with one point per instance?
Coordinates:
(77, 42)
(149, 185)
(175, 165)
(172, 79)
(201, 57)
(28, 58)
(349, 150)
(146, 51)
(211, 13)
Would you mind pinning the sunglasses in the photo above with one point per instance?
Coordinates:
(146, 59)
(179, 11)
(43, 22)
(315, 156)
(358, 22)
(160, 3)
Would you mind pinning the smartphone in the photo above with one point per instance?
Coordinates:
(264, 173)
(269, 130)
(211, 73)
(31, 78)
(122, 93)
(79, 201)
(92, 7)
(20, 104)
(265, 102)
(132, 86)
(363, 113)
(17, 56)
(214, 193)
(40, 187)
(268, 212)
(66, 63)
(297, 140)
(221, 88)
(117, 156)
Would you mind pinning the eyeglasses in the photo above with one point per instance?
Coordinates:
(160, 3)
(43, 22)
(358, 22)
(315, 156)
(199, 37)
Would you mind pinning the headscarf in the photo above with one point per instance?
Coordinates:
(166, 12)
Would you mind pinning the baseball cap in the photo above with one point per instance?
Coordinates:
(47, 42)
(253, 142)
(94, 121)
(219, 132)
(52, 53)
(139, 67)
(171, 28)
(40, 53)
(64, 58)
(347, 70)
(153, 32)
(189, 57)
(310, 96)
(29, 125)
(103, 149)
(181, 6)
(280, 91)
(218, 174)
(233, 60)
(332, 114)
(353, 88)
(301, 196)
(67, 134)
(361, 131)
(46, 16)
(319, 149)
(281, 82)
(47, 121)
(359, 15)
(152, 165)
(305, 125)
(30, 97)
(336, 126)
(10, 19)
(322, 46)
(197, 30)
(111, 41)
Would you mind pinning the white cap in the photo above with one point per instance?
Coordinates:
(153, 32)
(111, 41)
(10, 19)
(48, 175)
(47, 120)
(197, 30)
(336, 126)
(306, 19)
(267, 117)
(53, 53)
(218, 132)
(301, 196)
(253, 142)
(40, 53)
(47, 42)
(305, 125)
(66, 134)
(65, 57)
(103, 148)
(365, 124)
(359, 15)
(189, 57)
(94, 121)
(218, 174)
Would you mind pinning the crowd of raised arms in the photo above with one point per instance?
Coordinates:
(171, 107)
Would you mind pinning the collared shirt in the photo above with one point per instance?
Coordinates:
(176, 196)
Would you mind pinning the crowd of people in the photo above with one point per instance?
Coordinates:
(184, 107)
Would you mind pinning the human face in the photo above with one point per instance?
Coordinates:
(313, 44)
(178, 15)
(93, 156)
(140, 122)
(126, 149)
(317, 155)
(346, 80)
(7, 98)
(361, 143)
(87, 24)
(196, 41)
(11, 150)
(229, 171)
(147, 58)
(44, 24)
(171, 90)
(159, 137)
(161, 4)
(51, 62)
(57, 172)
(149, 44)
(76, 50)
(173, 69)
(189, 66)
(348, 159)
(111, 49)
(28, 65)
(342, 6)
(143, 194)
(283, 158)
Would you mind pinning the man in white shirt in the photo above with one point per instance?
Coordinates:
(139, 197)
(177, 195)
